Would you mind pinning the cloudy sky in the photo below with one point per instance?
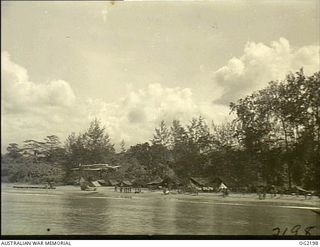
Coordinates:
(132, 64)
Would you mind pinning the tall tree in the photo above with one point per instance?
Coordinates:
(122, 146)
(180, 141)
(32, 149)
(53, 149)
(97, 144)
(282, 117)
(14, 152)
(199, 134)
(93, 146)
(162, 135)
(223, 136)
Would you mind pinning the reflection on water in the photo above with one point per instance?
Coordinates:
(80, 211)
(70, 211)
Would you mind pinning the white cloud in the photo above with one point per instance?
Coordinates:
(134, 117)
(260, 64)
(19, 93)
(33, 110)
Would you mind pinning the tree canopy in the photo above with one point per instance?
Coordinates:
(274, 137)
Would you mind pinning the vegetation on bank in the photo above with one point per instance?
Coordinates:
(274, 139)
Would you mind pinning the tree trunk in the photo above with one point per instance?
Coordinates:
(287, 152)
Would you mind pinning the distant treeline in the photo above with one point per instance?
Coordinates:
(274, 139)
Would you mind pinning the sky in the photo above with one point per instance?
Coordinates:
(132, 64)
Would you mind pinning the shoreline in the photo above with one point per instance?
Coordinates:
(235, 198)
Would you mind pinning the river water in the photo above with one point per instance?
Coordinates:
(67, 210)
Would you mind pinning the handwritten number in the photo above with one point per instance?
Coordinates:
(276, 229)
(285, 231)
(307, 230)
(296, 229)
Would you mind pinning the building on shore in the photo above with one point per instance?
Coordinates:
(207, 184)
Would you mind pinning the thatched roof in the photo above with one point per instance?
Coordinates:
(125, 183)
(138, 182)
(156, 181)
(113, 182)
(222, 186)
(298, 188)
(205, 182)
(200, 181)
(95, 183)
(102, 181)
(172, 180)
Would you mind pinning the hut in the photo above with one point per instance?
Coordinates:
(155, 184)
(224, 189)
(125, 186)
(125, 183)
(109, 183)
(102, 182)
(190, 187)
(171, 182)
(137, 185)
(208, 184)
(199, 182)
(112, 182)
(301, 191)
(222, 186)
(204, 184)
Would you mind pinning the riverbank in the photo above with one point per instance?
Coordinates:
(68, 210)
(109, 192)
(236, 198)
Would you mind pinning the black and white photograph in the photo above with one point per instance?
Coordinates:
(160, 118)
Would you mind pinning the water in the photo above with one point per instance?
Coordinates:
(67, 210)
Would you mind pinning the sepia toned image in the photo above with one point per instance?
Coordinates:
(160, 118)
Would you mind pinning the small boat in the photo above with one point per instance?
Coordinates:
(86, 185)
(166, 192)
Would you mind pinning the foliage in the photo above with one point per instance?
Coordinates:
(275, 138)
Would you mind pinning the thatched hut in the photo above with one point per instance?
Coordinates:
(102, 182)
(125, 183)
(155, 184)
(207, 184)
(113, 182)
(171, 182)
(124, 186)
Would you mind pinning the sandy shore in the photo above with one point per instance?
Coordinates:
(232, 198)
(286, 200)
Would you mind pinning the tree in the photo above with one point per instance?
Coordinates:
(179, 134)
(142, 153)
(223, 136)
(282, 119)
(14, 152)
(199, 135)
(180, 140)
(162, 135)
(122, 146)
(90, 147)
(33, 149)
(97, 144)
(53, 149)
